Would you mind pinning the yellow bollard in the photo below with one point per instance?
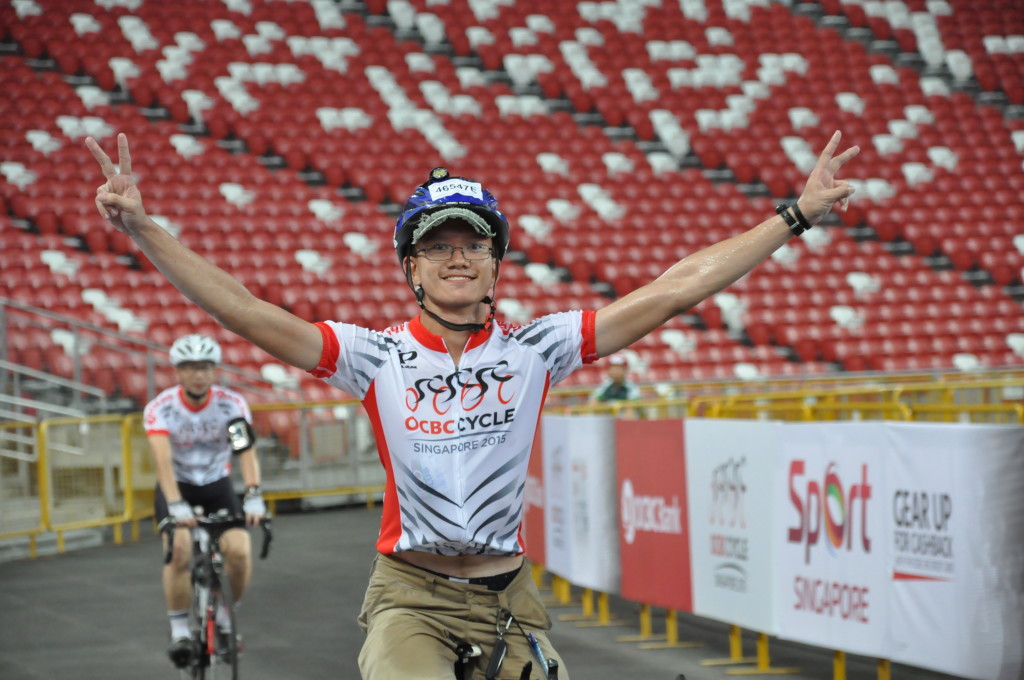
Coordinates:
(884, 669)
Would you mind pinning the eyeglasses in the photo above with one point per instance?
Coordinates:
(442, 252)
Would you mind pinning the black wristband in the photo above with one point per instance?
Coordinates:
(783, 210)
(800, 217)
(253, 490)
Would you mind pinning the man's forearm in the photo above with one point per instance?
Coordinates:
(210, 287)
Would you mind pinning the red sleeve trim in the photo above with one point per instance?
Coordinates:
(152, 432)
(588, 350)
(328, 365)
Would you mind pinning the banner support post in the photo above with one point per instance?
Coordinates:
(736, 657)
(839, 665)
(537, 572)
(646, 629)
(604, 615)
(587, 601)
(763, 666)
(671, 636)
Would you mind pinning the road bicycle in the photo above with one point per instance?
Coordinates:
(216, 649)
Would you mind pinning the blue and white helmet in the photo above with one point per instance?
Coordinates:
(443, 197)
(195, 347)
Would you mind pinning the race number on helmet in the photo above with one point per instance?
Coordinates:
(443, 197)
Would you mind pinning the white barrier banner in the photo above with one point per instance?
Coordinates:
(730, 468)
(581, 520)
(832, 586)
(957, 537)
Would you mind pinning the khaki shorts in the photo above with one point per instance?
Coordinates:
(414, 620)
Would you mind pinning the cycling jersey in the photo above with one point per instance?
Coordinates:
(200, 449)
(455, 440)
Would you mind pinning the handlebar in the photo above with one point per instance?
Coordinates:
(216, 525)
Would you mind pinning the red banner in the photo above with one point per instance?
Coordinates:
(654, 540)
(533, 514)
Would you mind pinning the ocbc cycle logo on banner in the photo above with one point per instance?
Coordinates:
(729, 543)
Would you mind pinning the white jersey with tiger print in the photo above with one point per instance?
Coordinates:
(200, 449)
(455, 440)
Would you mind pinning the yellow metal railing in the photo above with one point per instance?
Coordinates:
(304, 471)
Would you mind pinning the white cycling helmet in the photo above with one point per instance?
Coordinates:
(195, 348)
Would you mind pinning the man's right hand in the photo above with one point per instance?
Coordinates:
(118, 200)
(181, 512)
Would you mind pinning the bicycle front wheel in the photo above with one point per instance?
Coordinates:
(197, 615)
(221, 651)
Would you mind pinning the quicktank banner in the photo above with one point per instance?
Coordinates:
(831, 547)
(653, 542)
(730, 465)
(581, 538)
(533, 512)
(956, 498)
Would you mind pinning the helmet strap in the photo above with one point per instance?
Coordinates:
(459, 327)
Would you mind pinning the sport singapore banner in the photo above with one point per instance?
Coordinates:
(831, 552)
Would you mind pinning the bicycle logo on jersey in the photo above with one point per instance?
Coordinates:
(468, 386)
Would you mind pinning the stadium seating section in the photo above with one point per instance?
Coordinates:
(276, 138)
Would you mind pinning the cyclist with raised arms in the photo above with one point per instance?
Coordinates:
(455, 396)
(187, 429)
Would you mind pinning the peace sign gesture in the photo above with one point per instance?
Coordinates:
(823, 190)
(118, 199)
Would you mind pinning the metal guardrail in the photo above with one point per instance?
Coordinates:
(100, 467)
(87, 335)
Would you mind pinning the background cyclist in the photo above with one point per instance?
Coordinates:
(187, 429)
(455, 396)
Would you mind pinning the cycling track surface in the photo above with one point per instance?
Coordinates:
(98, 613)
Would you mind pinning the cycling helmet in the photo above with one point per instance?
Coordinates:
(194, 347)
(443, 197)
